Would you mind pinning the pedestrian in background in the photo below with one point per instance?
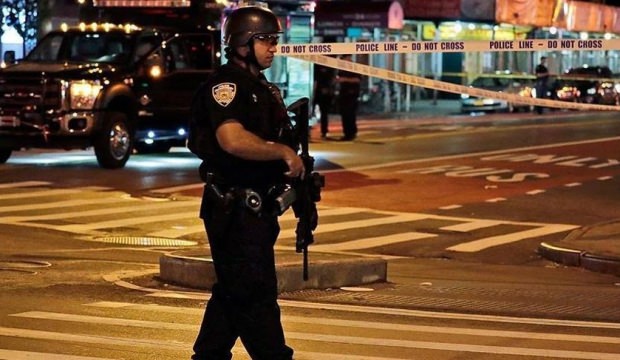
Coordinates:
(348, 98)
(324, 89)
(542, 79)
(237, 118)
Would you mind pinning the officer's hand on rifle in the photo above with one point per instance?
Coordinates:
(294, 162)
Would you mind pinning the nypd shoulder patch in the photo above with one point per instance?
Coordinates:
(224, 93)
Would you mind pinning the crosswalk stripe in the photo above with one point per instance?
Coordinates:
(173, 189)
(327, 338)
(357, 224)
(472, 225)
(21, 184)
(56, 204)
(482, 244)
(371, 242)
(456, 347)
(361, 309)
(323, 211)
(329, 322)
(288, 216)
(86, 228)
(29, 355)
(106, 211)
(91, 339)
(49, 192)
(193, 225)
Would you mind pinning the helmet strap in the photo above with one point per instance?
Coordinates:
(252, 56)
(250, 59)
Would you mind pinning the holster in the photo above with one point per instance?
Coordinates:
(224, 201)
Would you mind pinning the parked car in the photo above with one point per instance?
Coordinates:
(588, 84)
(501, 83)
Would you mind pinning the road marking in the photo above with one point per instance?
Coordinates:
(191, 224)
(493, 241)
(456, 347)
(372, 242)
(535, 192)
(472, 225)
(92, 339)
(328, 322)
(288, 216)
(424, 160)
(573, 184)
(469, 155)
(22, 184)
(327, 338)
(89, 227)
(174, 189)
(56, 204)
(362, 309)
(106, 211)
(28, 355)
(50, 192)
(451, 207)
(358, 224)
(495, 200)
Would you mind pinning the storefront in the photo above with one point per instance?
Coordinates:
(346, 21)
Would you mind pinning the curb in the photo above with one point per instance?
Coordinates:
(197, 272)
(580, 258)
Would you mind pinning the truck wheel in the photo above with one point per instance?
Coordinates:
(5, 154)
(114, 142)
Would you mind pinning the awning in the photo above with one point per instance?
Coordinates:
(333, 18)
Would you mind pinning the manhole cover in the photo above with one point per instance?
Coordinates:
(144, 241)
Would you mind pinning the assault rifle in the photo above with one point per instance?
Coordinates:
(307, 188)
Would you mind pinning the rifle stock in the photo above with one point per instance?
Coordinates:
(308, 187)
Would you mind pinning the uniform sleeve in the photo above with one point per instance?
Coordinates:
(226, 101)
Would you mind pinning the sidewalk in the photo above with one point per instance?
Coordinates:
(595, 248)
(420, 109)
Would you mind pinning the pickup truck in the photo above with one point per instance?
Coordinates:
(116, 88)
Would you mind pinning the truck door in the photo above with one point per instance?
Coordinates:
(187, 61)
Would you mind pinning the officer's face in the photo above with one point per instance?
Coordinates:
(264, 48)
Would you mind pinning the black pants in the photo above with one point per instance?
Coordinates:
(541, 93)
(348, 113)
(244, 301)
(325, 106)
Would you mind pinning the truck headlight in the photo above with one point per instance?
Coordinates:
(83, 93)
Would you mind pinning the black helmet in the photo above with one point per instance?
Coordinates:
(245, 22)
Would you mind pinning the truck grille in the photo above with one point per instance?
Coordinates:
(32, 93)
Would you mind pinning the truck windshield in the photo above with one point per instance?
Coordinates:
(84, 47)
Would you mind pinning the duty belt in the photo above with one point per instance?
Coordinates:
(275, 201)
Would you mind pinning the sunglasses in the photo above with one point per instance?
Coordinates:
(271, 39)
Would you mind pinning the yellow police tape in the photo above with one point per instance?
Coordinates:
(315, 53)
(418, 47)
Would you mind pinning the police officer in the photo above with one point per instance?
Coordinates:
(542, 78)
(237, 120)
